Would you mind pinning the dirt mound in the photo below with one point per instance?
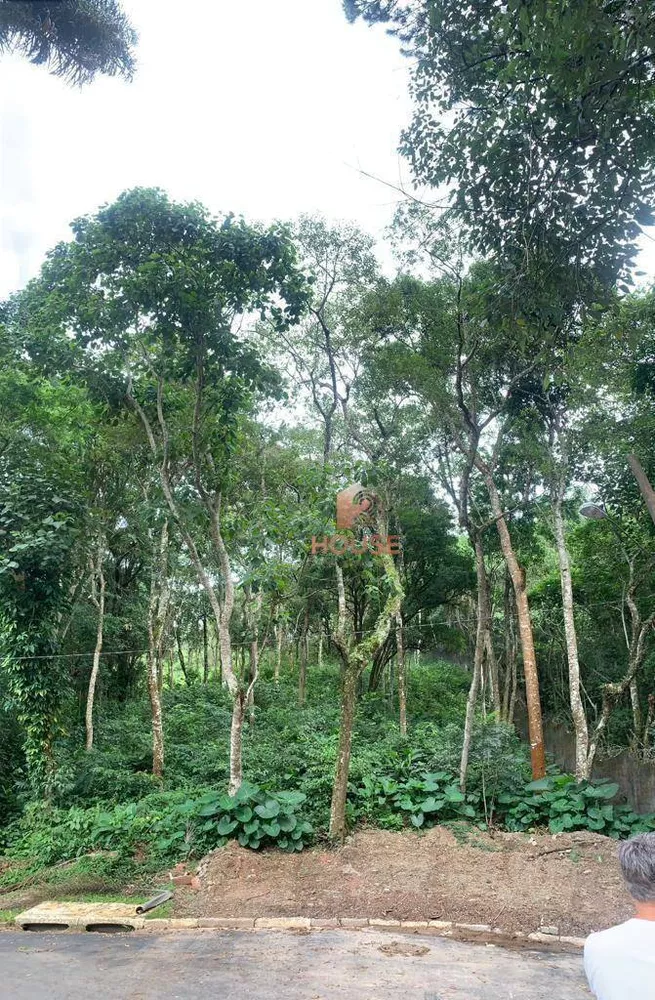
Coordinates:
(515, 881)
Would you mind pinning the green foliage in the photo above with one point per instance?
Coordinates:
(539, 117)
(46, 428)
(285, 748)
(76, 39)
(559, 803)
(34, 682)
(556, 802)
(108, 802)
(12, 762)
(422, 801)
(163, 826)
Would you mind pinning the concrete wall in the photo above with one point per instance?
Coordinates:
(635, 778)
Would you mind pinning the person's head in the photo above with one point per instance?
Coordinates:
(637, 858)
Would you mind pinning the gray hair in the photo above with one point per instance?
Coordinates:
(637, 857)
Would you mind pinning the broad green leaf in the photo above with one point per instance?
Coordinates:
(269, 809)
(225, 826)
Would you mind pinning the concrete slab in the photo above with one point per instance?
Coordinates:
(80, 916)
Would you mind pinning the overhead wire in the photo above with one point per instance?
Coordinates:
(238, 645)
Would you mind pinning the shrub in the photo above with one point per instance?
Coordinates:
(556, 802)
(422, 801)
(164, 826)
(253, 817)
(110, 799)
(560, 803)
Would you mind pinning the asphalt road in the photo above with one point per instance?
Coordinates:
(269, 965)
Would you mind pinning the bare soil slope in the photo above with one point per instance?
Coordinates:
(515, 881)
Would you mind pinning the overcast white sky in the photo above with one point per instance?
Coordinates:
(263, 108)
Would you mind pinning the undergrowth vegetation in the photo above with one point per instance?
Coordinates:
(110, 821)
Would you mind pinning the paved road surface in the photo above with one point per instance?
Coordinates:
(330, 965)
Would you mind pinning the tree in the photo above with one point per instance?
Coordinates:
(630, 372)
(619, 558)
(324, 348)
(159, 288)
(47, 440)
(466, 351)
(539, 116)
(435, 572)
(75, 39)
(357, 650)
(98, 586)
(328, 354)
(647, 491)
(158, 606)
(561, 468)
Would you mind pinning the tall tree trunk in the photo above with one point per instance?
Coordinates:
(646, 739)
(320, 645)
(355, 658)
(578, 713)
(304, 656)
(157, 616)
(340, 787)
(389, 673)
(507, 645)
(647, 491)
(253, 667)
(216, 651)
(253, 612)
(402, 679)
(99, 601)
(156, 714)
(637, 715)
(492, 666)
(535, 724)
(159, 667)
(471, 701)
(205, 651)
(378, 667)
(180, 656)
(511, 654)
(236, 742)
(279, 632)
(514, 681)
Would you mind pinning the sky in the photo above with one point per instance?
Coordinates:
(263, 108)
(260, 108)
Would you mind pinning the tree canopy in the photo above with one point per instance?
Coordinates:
(75, 39)
(538, 117)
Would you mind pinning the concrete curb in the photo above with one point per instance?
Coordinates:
(438, 928)
(121, 917)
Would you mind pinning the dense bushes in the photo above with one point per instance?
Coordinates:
(555, 803)
(164, 826)
(107, 801)
(560, 804)
(11, 763)
(286, 747)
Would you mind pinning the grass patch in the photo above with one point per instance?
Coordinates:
(85, 879)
